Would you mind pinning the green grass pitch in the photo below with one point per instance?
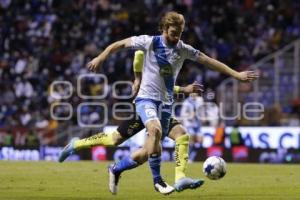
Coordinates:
(89, 180)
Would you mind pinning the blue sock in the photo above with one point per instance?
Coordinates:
(125, 163)
(154, 163)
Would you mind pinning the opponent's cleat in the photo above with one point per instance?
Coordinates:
(163, 188)
(67, 151)
(187, 183)
(113, 179)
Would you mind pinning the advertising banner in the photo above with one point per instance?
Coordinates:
(254, 137)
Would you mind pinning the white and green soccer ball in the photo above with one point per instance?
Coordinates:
(214, 167)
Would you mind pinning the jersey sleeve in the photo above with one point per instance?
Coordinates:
(138, 61)
(141, 42)
(191, 53)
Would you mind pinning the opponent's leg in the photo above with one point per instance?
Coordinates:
(127, 129)
(181, 156)
(182, 182)
(101, 139)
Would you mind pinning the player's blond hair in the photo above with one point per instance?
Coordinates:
(171, 19)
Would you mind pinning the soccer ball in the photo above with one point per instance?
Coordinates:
(214, 167)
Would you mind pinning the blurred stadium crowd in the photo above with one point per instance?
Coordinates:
(48, 40)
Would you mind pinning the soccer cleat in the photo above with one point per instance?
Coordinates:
(163, 188)
(187, 183)
(113, 179)
(67, 151)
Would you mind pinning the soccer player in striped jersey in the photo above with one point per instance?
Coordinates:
(129, 128)
(164, 56)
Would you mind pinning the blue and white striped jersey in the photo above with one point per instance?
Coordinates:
(162, 64)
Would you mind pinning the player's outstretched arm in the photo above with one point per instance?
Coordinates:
(245, 76)
(96, 63)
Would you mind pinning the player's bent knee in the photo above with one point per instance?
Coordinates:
(177, 131)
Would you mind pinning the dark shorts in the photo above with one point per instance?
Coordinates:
(129, 128)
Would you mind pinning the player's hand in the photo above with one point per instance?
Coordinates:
(135, 87)
(193, 88)
(248, 76)
(95, 64)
